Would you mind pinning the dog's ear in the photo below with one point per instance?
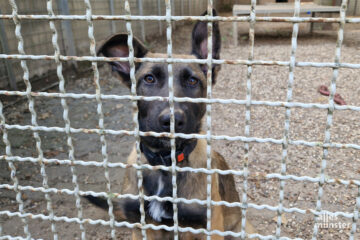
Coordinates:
(116, 46)
(200, 41)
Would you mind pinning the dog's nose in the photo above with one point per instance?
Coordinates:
(164, 120)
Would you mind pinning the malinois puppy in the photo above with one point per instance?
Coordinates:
(189, 81)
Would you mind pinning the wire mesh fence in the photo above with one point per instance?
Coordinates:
(97, 20)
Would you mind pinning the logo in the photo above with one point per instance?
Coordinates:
(328, 221)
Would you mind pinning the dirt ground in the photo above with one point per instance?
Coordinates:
(272, 42)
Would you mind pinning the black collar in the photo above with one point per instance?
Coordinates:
(164, 157)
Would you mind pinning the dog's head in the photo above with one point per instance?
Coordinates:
(189, 80)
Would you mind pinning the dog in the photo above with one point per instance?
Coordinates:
(189, 81)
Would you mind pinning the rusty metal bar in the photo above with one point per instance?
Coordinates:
(181, 60)
(135, 119)
(67, 31)
(112, 12)
(100, 113)
(142, 25)
(329, 118)
(286, 135)
(183, 18)
(5, 48)
(159, 13)
(248, 116)
(209, 81)
(169, 10)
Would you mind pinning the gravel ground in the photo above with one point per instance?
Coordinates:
(272, 42)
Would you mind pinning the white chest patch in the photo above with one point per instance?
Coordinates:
(156, 208)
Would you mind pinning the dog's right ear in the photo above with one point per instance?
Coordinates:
(116, 46)
(200, 42)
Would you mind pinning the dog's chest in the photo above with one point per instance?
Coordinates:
(158, 185)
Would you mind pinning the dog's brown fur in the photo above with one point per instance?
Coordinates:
(194, 186)
(190, 185)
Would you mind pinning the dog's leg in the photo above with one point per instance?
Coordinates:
(249, 229)
(136, 234)
(227, 189)
(124, 209)
(154, 235)
(191, 236)
(217, 218)
(150, 234)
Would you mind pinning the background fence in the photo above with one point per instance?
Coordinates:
(37, 34)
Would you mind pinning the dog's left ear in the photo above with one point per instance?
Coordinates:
(117, 46)
(200, 41)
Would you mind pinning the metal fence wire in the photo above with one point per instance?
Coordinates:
(169, 18)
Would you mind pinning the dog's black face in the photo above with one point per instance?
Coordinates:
(189, 80)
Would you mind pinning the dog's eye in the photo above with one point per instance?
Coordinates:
(192, 82)
(149, 79)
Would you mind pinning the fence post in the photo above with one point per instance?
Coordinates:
(189, 2)
(67, 31)
(173, 12)
(142, 27)
(182, 11)
(5, 47)
(356, 8)
(197, 6)
(112, 12)
(182, 7)
(159, 13)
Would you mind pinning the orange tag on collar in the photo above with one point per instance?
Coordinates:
(180, 157)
